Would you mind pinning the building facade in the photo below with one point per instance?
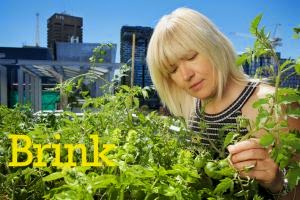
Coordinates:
(64, 28)
(142, 37)
(27, 74)
(19, 83)
(141, 72)
(81, 52)
(260, 67)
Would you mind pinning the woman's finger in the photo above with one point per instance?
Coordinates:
(264, 176)
(250, 154)
(246, 165)
(244, 145)
(258, 165)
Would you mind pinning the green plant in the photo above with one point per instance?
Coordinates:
(153, 160)
(274, 110)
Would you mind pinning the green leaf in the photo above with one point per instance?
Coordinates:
(287, 62)
(267, 140)
(291, 140)
(288, 98)
(286, 91)
(228, 171)
(270, 124)
(296, 30)
(54, 176)
(125, 87)
(288, 95)
(296, 36)
(139, 171)
(128, 102)
(101, 60)
(225, 184)
(136, 102)
(242, 193)
(260, 102)
(256, 197)
(282, 158)
(229, 138)
(294, 113)
(103, 181)
(241, 59)
(102, 52)
(211, 170)
(254, 24)
(167, 190)
(293, 177)
(200, 161)
(297, 68)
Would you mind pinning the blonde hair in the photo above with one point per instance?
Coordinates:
(175, 35)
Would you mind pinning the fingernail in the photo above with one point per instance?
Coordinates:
(230, 148)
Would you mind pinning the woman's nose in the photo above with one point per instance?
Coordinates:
(186, 72)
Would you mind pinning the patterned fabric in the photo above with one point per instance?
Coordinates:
(217, 123)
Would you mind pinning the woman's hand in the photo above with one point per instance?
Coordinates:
(253, 160)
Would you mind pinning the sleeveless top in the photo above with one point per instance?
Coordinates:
(216, 126)
(227, 119)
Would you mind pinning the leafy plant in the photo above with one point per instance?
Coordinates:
(274, 110)
(153, 159)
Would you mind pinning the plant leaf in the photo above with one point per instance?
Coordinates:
(223, 186)
(241, 59)
(293, 177)
(287, 62)
(260, 102)
(54, 176)
(297, 68)
(294, 113)
(254, 24)
(229, 138)
(267, 140)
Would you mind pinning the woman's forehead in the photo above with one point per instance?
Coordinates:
(175, 52)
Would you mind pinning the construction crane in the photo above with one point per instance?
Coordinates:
(275, 41)
(37, 30)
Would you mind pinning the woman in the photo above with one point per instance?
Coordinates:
(191, 64)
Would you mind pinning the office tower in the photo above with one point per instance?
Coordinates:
(260, 67)
(64, 28)
(142, 37)
(141, 73)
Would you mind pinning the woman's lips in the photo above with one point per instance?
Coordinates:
(197, 85)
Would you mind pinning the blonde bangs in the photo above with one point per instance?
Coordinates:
(172, 44)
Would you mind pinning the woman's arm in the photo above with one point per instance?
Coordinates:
(251, 153)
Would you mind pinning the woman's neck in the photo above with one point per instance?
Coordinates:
(231, 92)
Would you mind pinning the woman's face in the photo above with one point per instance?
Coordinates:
(195, 74)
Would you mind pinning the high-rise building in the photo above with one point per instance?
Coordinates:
(141, 73)
(260, 67)
(142, 37)
(64, 28)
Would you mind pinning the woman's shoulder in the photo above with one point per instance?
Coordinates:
(262, 90)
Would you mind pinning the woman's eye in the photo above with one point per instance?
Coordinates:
(192, 57)
(174, 69)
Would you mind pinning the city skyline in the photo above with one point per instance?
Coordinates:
(102, 21)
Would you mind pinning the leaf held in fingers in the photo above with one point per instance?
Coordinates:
(267, 140)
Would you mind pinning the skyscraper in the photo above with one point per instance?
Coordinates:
(64, 28)
(265, 67)
(141, 73)
(142, 37)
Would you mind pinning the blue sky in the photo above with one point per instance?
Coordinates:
(102, 20)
